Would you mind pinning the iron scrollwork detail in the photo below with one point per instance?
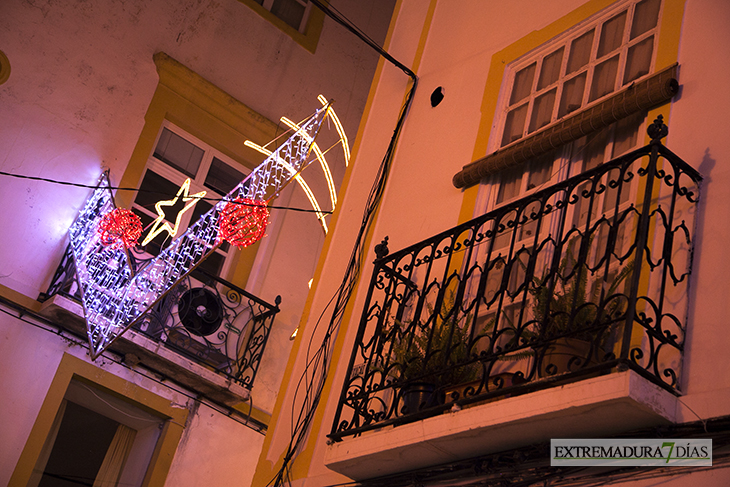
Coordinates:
(584, 277)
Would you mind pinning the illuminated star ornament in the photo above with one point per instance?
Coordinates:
(160, 225)
(114, 297)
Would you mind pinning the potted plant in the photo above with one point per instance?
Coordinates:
(572, 317)
(421, 356)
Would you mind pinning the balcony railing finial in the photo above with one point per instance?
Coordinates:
(381, 250)
(657, 130)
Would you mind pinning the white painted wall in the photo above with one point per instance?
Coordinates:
(214, 449)
(420, 200)
(698, 134)
(81, 80)
(82, 77)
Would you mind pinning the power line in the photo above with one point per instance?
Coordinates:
(161, 193)
(316, 369)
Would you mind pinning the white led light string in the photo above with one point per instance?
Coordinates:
(113, 297)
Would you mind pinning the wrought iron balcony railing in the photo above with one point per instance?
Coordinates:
(578, 279)
(205, 318)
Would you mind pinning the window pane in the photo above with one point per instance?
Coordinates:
(523, 84)
(222, 178)
(580, 52)
(572, 97)
(595, 149)
(179, 153)
(155, 188)
(612, 34)
(626, 134)
(542, 110)
(212, 265)
(540, 170)
(510, 181)
(645, 17)
(604, 78)
(79, 449)
(514, 124)
(550, 69)
(638, 60)
(290, 11)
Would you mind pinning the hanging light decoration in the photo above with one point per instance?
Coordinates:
(115, 297)
(120, 228)
(243, 221)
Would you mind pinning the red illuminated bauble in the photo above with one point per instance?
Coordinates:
(120, 228)
(243, 222)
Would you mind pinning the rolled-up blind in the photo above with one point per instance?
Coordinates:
(654, 90)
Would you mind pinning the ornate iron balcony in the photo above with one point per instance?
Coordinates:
(205, 318)
(578, 279)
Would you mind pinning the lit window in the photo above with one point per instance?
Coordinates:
(581, 67)
(176, 157)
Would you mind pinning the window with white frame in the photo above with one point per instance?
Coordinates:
(580, 67)
(294, 13)
(584, 65)
(178, 156)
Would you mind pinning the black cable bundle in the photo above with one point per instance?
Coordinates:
(318, 363)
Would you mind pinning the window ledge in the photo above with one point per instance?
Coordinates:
(603, 406)
(642, 95)
(135, 347)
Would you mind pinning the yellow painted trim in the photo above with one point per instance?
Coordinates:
(667, 53)
(303, 461)
(300, 468)
(72, 367)
(4, 68)
(670, 28)
(19, 298)
(637, 331)
(210, 114)
(265, 469)
(309, 39)
(258, 415)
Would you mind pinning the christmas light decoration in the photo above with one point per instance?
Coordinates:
(320, 157)
(322, 162)
(243, 222)
(160, 225)
(300, 180)
(120, 228)
(114, 296)
(340, 129)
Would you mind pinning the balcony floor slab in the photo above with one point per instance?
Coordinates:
(152, 354)
(595, 407)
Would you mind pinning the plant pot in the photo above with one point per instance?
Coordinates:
(565, 355)
(417, 396)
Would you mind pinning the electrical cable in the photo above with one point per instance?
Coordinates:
(342, 20)
(317, 364)
(137, 190)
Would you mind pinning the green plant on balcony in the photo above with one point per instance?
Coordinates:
(427, 357)
(570, 312)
